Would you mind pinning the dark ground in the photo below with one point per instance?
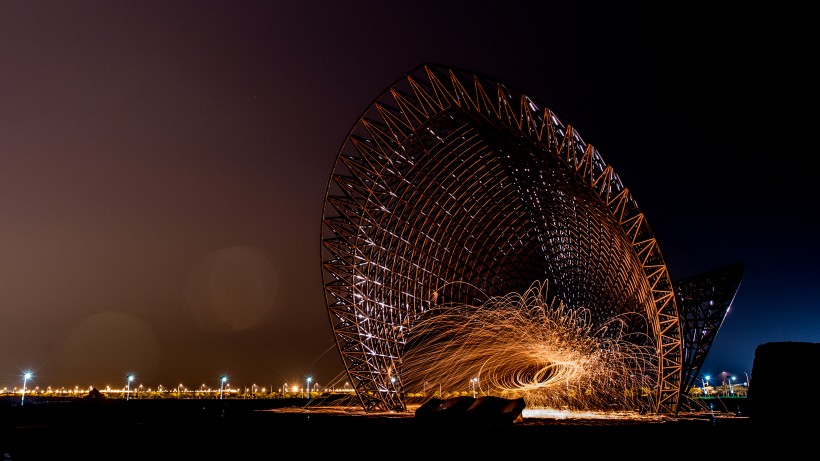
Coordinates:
(257, 429)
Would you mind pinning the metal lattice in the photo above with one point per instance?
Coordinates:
(704, 301)
(454, 177)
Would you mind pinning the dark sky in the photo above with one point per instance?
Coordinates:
(163, 165)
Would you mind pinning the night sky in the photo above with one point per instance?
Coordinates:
(163, 166)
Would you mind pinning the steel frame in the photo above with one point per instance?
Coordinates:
(704, 300)
(453, 176)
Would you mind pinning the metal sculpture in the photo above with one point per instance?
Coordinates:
(704, 300)
(454, 188)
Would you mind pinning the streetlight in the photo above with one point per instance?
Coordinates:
(308, 386)
(128, 387)
(222, 381)
(473, 381)
(26, 376)
(704, 384)
(731, 388)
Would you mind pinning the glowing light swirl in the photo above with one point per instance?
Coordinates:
(524, 345)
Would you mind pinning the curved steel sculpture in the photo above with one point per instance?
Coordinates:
(454, 187)
(704, 300)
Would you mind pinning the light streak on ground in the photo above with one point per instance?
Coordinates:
(529, 415)
(549, 413)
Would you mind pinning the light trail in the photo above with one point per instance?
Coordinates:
(524, 345)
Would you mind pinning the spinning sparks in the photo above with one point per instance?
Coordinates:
(522, 345)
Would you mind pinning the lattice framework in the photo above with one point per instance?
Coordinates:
(704, 301)
(451, 176)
